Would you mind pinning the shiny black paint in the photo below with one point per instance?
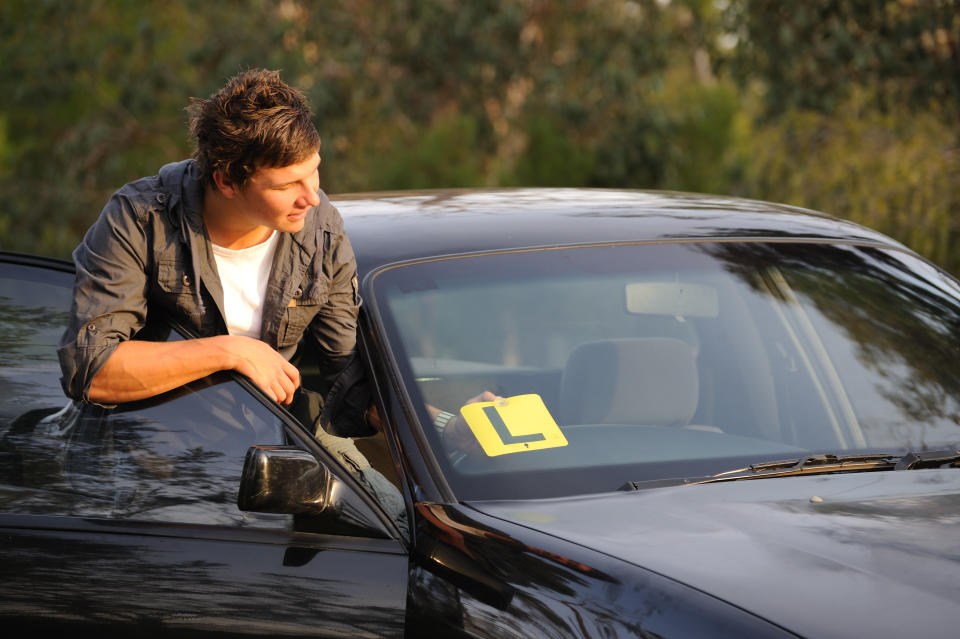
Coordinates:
(290, 480)
(850, 555)
(120, 579)
(283, 479)
(386, 228)
(515, 582)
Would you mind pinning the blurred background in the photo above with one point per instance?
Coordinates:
(846, 106)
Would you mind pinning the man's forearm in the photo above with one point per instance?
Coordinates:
(140, 369)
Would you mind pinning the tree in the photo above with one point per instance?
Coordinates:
(94, 97)
(811, 54)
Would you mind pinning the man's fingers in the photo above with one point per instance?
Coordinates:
(268, 369)
(288, 387)
(485, 396)
(293, 374)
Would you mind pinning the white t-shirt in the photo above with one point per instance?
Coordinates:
(244, 274)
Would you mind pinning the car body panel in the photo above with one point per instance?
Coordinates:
(395, 227)
(513, 581)
(832, 546)
(121, 579)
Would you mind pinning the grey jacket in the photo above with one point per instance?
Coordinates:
(147, 262)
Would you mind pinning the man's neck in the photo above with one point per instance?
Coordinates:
(222, 227)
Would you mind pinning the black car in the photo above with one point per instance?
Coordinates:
(604, 414)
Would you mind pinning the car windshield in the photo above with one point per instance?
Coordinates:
(641, 362)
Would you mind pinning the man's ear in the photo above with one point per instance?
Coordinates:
(226, 187)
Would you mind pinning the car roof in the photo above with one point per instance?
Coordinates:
(390, 227)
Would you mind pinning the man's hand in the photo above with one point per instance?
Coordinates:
(457, 434)
(266, 368)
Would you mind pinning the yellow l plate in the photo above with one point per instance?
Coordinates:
(513, 425)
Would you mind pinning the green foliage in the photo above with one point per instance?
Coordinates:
(850, 106)
(95, 93)
(858, 113)
(893, 171)
(507, 66)
(811, 54)
(683, 139)
(442, 153)
(551, 157)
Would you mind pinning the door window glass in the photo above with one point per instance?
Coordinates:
(177, 457)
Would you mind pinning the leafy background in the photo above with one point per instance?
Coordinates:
(847, 106)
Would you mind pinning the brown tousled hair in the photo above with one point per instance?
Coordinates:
(256, 120)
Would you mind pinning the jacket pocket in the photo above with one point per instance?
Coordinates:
(172, 279)
(176, 286)
(300, 311)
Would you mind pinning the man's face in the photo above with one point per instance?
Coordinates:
(279, 197)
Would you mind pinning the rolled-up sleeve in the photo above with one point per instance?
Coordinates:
(109, 295)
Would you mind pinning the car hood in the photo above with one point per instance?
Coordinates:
(834, 555)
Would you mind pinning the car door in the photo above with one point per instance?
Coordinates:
(126, 520)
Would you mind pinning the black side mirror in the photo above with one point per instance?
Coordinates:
(283, 479)
(291, 481)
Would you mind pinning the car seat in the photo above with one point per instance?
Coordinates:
(651, 381)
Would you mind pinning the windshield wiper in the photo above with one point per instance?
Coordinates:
(829, 463)
(813, 465)
(817, 465)
(928, 459)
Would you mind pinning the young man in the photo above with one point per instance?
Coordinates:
(238, 244)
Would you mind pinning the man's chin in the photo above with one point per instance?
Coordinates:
(294, 222)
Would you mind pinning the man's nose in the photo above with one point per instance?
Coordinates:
(311, 197)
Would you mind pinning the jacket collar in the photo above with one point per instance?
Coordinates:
(181, 180)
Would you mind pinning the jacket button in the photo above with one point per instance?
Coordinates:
(161, 197)
(91, 328)
(298, 294)
(186, 280)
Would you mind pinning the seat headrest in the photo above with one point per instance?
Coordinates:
(650, 381)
